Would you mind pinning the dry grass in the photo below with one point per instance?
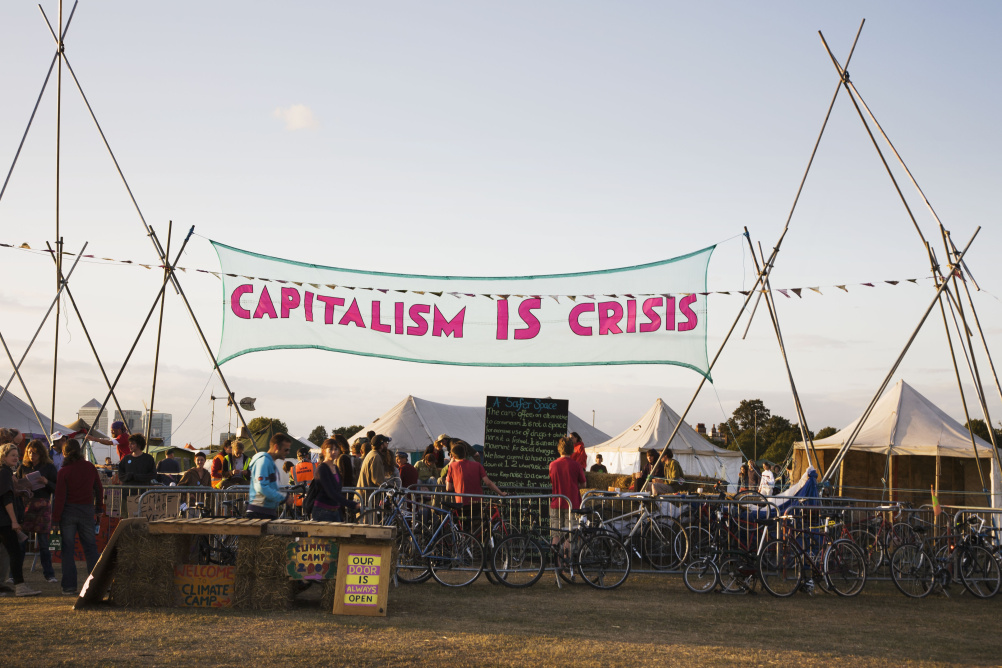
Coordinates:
(648, 622)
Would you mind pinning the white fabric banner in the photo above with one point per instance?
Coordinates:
(647, 314)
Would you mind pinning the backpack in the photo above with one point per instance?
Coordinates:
(312, 492)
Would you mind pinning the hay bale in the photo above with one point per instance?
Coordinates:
(604, 481)
(144, 569)
(262, 582)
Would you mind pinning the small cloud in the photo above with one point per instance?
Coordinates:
(297, 117)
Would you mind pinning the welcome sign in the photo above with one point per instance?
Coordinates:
(647, 314)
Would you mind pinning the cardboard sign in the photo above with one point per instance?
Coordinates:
(312, 559)
(159, 506)
(363, 576)
(208, 586)
(520, 439)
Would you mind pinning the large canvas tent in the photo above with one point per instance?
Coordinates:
(695, 454)
(17, 414)
(414, 423)
(904, 446)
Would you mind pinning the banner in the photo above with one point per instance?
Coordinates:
(647, 314)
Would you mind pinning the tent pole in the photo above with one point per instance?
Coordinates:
(125, 363)
(160, 329)
(873, 402)
(58, 237)
(55, 300)
(805, 433)
(767, 266)
(90, 342)
(960, 388)
(854, 95)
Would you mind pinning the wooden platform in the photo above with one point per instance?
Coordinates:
(254, 527)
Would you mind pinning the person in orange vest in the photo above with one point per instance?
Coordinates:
(236, 466)
(304, 472)
(216, 470)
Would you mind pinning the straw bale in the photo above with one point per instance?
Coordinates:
(604, 481)
(144, 568)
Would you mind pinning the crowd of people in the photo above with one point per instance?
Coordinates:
(42, 486)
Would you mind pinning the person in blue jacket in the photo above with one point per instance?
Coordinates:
(264, 492)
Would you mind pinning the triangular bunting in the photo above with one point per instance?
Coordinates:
(796, 291)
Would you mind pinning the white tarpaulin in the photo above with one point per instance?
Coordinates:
(903, 422)
(15, 413)
(647, 314)
(695, 454)
(414, 423)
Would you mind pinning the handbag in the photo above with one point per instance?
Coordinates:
(312, 492)
(37, 516)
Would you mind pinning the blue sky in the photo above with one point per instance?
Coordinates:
(473, 138)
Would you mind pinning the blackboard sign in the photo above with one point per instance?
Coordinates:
(520, 439)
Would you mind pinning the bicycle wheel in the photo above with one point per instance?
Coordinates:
(372, 516)
(901, 533)
(913, 571)
(873, 549)
(751, 497)
(701, 577)
(518, 561)
(456, 559)
(694, 542)
(979, 571)
(412, 566)
(657, 544)
(845, 567)
(737, 573)
(780, 568)
(604, 562)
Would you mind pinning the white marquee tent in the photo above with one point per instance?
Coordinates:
(414, 423)
(17, 414)
(695, 454)
(903, 422)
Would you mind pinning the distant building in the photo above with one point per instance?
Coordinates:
(88, 413)
(160, 425)
(225, 436)
(701, 429)
(132, 419)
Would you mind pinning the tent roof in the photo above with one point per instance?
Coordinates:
(15, 413)
(414, 423)
(652, 432)
(80, 425)
(903, 422)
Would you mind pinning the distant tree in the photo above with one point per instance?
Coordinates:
(748, 414)
(260, 423)
(317, 436)
(350, 430)
(980, 430)
(826, 432)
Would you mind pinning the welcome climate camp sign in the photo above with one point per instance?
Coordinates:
(646, 314)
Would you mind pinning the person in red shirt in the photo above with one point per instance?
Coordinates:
(567, 478)
(466, 476)
(408, 474)
(78, 499)
(579, 455)
(119, 438)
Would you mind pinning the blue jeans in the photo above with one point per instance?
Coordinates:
(326, 515)
(43, 554)
(77, 520)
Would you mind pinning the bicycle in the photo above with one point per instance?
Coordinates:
(219, 549)
(737, 569)
(918, 569)
(880, 535)
(597, 555)
(452, 556)
(803, 555)
(658, 539)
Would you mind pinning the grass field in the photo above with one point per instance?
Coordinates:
(650, 621)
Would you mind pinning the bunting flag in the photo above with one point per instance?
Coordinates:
(844, 287)
(439, 320)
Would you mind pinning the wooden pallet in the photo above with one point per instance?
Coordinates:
(328, 530)
(239, 526)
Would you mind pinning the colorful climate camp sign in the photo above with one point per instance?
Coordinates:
(312, 559)
(647, 314)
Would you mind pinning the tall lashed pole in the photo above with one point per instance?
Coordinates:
(59, 239)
